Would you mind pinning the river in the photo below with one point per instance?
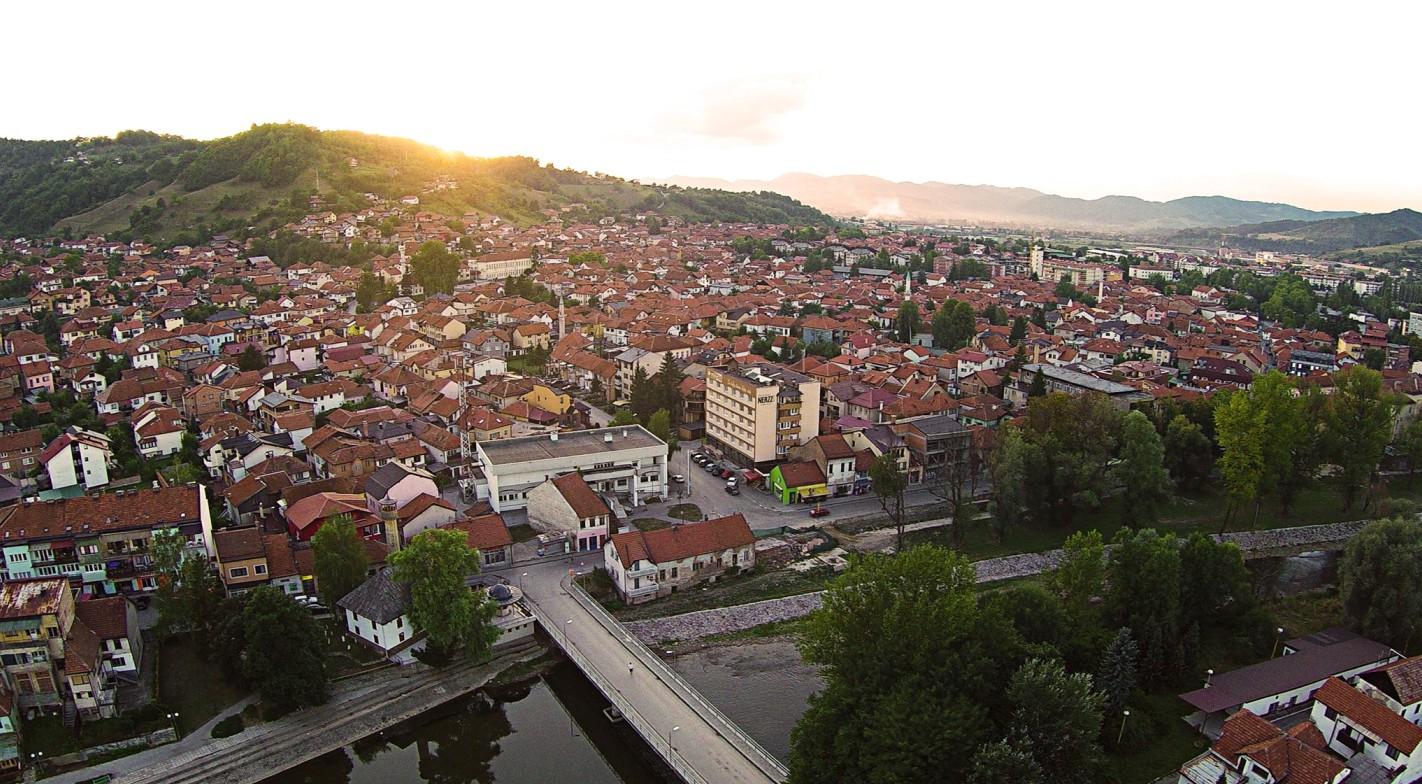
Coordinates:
(552, 730)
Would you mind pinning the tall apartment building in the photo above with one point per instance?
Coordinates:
(759, 412)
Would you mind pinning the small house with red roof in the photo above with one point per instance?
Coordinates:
(645, 565)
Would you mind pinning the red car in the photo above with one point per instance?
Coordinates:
(727, 474)
(819, 511)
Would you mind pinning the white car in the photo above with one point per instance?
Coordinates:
(678, 478)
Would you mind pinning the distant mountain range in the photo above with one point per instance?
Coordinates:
(1322, 236)
(938, 202)
(141, 184)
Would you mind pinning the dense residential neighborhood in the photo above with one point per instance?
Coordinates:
(519, 392)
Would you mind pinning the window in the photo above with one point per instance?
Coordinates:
(237, 571)
(1329, 713)
(259, 569)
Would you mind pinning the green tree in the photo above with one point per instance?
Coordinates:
(623, 418)
(1141, 470)
(1380, 581)
(1005, 762)
(370, 292)
(1011, 463)
(1215, 589)
(340, 559)
(660, 426)
(1075, 439)
(251, 358)
(1019, 331)
(283, 651)
(1410, 444)
(435, 268)
(435, 565)
(644, 396)
(890, 484)
(907, 321)
(913, 668)
(667, 383)
(1144, 580)
(1116, 677)
(1060, 715)
(1189, 456)
(1039, 385)
(1081, 572)
(1359, 424)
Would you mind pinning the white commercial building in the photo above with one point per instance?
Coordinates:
(627, 462)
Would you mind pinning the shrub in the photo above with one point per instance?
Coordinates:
(229, 726)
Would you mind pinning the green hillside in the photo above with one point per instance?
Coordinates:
(1324, 236)
(166, 188)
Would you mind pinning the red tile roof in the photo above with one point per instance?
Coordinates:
(1370, 714)
(683, 541)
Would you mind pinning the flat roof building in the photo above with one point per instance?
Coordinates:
(625, 462)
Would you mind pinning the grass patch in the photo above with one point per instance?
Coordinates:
(689, 512)
(1156, 741)
(228, 727)
(191, 685)
(1307, 612)
(344, 655)
(649, 523)
(522, 532)
(728, 591)
(49, 735)
(525, 365)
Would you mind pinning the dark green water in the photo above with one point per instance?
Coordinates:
(549, 731)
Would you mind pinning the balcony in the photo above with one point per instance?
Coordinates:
(647, 588)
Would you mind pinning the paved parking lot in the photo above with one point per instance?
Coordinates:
(761, 509)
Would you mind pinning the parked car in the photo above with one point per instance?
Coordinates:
(733, 481)
(727, 474)
(819, 511)
(678, 478)
(712, 468)
(733, 490)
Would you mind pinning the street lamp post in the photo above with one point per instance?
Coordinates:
(173, 717)
(520, 581)
(1208, 675)
(1278, 635)
(1125, 714)
(566, 624)
(36, 758)
(670, 743)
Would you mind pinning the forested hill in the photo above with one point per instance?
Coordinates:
(143, 184)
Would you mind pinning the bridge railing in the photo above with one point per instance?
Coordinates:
(728, 729)
(660, 740)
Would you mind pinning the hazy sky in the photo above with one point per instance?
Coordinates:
(1311, 103)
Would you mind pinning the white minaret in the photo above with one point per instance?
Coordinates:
(908, 284)
(1100, 288)
(562, 319)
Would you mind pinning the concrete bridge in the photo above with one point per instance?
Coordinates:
(694, 738)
